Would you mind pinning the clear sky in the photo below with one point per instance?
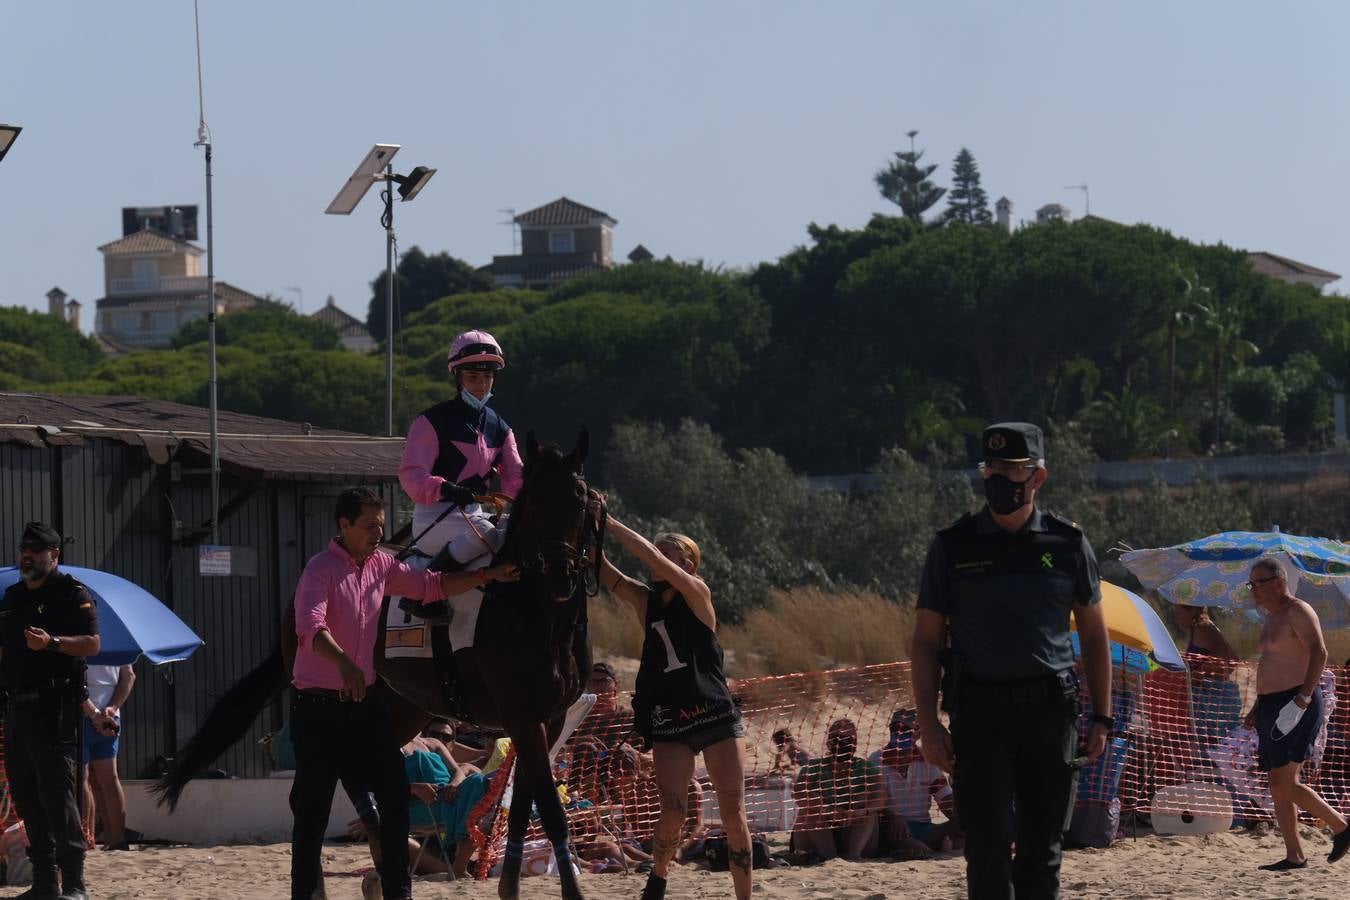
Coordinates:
(711, 129)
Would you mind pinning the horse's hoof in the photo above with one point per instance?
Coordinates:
(370, 887)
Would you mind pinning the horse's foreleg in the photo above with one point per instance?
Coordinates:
(532, 764)
(517, 822)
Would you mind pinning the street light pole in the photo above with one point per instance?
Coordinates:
(389, 300)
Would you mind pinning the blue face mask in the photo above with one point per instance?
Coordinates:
(474, 402)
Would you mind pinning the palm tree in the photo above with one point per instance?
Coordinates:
(1222, 323)
(1180, 319)
(1127, 425)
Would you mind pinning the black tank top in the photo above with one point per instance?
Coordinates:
(681, 688)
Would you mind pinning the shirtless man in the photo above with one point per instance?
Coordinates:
(1288, 706)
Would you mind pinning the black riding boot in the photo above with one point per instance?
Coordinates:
(44, 884)
(72, 881)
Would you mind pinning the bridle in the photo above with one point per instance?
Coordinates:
(549, 553)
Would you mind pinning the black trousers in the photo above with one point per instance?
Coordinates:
(42, 760)
(1015, 781)
(354, 743)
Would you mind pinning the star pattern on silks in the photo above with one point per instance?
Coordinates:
(477, 458)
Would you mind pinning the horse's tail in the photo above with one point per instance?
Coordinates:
(227, 721)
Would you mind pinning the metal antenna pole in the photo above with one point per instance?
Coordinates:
(204, 141)
(389, 300)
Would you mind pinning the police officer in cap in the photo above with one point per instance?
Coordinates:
(997, 590)
(48, 625)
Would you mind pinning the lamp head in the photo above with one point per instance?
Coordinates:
(8, 133)
(410, 185)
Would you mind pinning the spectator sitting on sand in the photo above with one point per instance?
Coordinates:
(911, 787)
(788, 755)
(839, 797)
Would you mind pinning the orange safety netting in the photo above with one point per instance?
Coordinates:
(1180, 753)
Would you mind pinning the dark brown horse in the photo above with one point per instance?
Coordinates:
(529, 661)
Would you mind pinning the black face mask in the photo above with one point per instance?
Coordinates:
(1006, 496)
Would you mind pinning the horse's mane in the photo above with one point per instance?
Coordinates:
(549, 455)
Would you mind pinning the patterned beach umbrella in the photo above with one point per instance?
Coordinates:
(1213, 571)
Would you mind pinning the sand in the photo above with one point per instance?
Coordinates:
(1152, 866)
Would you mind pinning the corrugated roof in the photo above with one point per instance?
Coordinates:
(252, 445)
(1282, 266)
(564, 212)
(147, 240)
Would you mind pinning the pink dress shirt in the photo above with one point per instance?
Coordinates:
(337, 595)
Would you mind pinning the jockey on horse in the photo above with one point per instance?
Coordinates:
(453, 450)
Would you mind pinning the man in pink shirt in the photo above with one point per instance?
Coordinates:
(339, 729)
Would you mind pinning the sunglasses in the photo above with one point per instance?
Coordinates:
(1257, 582)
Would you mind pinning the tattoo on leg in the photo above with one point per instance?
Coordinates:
(674, 801)
(664, 846)
(741, 860)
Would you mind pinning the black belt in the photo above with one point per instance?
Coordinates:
(317, 693)
(42, 691)
(1035, 691)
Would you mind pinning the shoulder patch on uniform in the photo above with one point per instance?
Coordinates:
(1062, 522)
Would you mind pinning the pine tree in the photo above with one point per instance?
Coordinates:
(967, 202)
(905, 183)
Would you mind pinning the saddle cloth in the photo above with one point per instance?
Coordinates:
(408, 636)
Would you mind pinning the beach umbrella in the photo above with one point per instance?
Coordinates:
(132, 621)
(1213, 571)
(1132, 623)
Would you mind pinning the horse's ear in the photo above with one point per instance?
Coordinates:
(581, 448)
(531, 446)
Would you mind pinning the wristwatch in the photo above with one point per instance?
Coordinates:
(54, 644)
(1108, 721)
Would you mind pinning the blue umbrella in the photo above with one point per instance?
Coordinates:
(1213, 571)
(131, 620)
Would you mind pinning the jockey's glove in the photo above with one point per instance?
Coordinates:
(457, 494)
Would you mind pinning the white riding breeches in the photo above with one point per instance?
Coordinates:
(469, 533)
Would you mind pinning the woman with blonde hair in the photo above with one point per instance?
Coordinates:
(682, 703)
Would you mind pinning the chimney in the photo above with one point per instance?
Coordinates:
(1003, 212)
(56, 302)
(176, 224)
(73, 313)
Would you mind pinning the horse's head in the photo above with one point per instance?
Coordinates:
(551, 519)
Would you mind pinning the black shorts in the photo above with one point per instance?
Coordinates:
(1274, 749)
(698, 741)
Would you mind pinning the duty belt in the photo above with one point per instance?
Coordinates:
(1051, 687)
(39, 693)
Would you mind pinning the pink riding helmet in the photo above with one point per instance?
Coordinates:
(476, 350)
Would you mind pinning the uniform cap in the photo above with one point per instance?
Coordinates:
(1013, 441)
(36, 534)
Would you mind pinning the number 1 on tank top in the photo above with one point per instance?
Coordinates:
(673, 662)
